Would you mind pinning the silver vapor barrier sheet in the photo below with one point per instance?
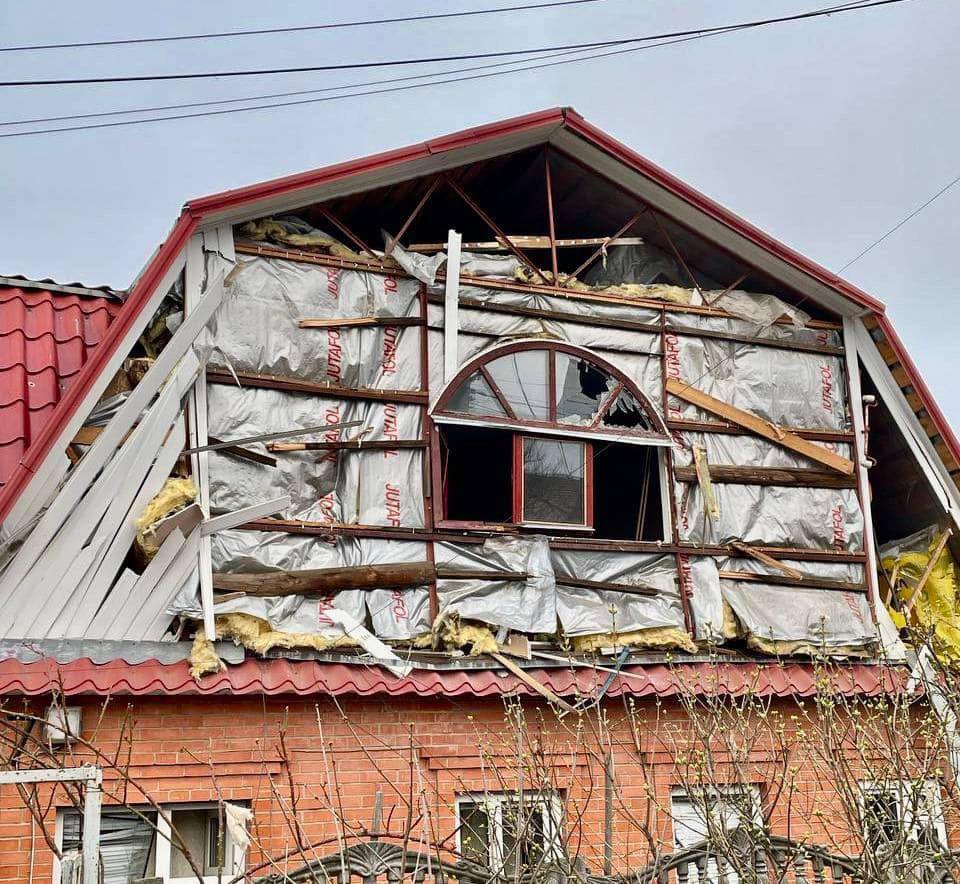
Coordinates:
(820, 617)
(819, 518)
(787, 387)
(585, 611)
(527, 605)
(257, 330)
(395, 614)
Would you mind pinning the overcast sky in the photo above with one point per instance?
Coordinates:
(824, 132)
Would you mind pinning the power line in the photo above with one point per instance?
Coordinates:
(299, 28)
(900, 224)
(520, 68)
(215, 101)
(701, 32)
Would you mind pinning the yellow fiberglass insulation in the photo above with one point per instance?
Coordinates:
(452, 633)
(203, 657)
(658, 638)
(268, 229)
(936, 611)
(257, 635)
(175, 494)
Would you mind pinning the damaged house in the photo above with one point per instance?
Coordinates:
(510, 413)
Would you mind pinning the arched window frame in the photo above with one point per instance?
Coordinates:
(657, 437)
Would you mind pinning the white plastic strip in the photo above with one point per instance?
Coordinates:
(247, 514)
(451, 306)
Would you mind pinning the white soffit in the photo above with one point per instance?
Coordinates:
(382, 176)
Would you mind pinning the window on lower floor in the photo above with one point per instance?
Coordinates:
(508, 835)
(711, 815)
(138, 845)
(897, 813)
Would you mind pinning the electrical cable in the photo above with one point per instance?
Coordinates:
(900, 223)
(298, 28)
(138, 78)
(521, 68)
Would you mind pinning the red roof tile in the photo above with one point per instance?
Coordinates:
(308, 678)
(46, 337)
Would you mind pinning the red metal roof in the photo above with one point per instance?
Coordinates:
(199, 210)
(46, 338)
(309, 678)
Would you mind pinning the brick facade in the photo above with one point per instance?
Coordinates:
(175, 739)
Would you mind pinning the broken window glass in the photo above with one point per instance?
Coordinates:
(474, 396)
(625, 412)
(554, 481)
(581, 389)
(522, 378)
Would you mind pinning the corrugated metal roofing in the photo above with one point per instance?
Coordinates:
(46, 337)
(310, 678)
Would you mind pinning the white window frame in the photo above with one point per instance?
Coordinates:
(899, 790)
(551, 806)
(163, 849)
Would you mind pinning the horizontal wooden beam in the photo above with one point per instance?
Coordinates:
(530, 242)
(316, 388)
(477, 535)
(363, 322)
(805, 582)
(694, 426)
(348, 445)
(323, 581)
(783, 476)
(598, 297)
(759, 426)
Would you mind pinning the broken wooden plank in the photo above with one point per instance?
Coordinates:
(805, 581)
(263, 437)
(530, 242)
(348, 445)
(711, 508)
(531, 682)
(765, 559)
(363, 322)
(247, 514)
(789, 477)
(759, 426)
(323, 581)
(317, 388)
(516, 645)
(228, 448)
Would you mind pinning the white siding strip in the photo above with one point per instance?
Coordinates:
(247, 514)
(176, 575)
(451, 309)
(31, 501)
(104, 447)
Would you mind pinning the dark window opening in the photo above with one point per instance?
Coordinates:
(626, 478)
(477, 474)
(551, 484)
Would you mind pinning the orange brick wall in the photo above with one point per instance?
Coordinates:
(368, 747)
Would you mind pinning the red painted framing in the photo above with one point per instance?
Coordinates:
(541, 125)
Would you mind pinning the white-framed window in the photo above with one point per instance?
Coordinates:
(715, 809)
(902, 811)
(506, 834)
(136, 846)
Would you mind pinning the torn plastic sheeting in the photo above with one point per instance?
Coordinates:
(747, 451)
(527, 606)
(641, 263)
(763, 310)
(499, 266)
(786, 387)
(774, 516)
(395, 614)
(322, 486)
(732, 325)
(476, 320)
(256, 329)
(586, 612)
(419, 266)
(793, 614)
(701, 578)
